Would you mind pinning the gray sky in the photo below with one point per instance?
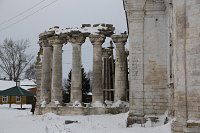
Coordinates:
(63, 13)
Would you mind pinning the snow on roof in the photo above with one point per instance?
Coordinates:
(4, 84)
(92, 30)
(25, 84)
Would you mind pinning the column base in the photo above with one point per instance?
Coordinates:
(38, 110)
(135, 119)
(177, 126)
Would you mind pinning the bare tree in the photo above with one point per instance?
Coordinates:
(30, 72)
(14, 57)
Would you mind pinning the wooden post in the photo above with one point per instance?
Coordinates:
(21, 101)
(10, 101)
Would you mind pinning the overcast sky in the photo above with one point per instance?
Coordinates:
(63, 13)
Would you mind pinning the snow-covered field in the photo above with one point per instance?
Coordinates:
(22, 121)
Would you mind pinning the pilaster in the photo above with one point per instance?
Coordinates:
(136, 46)
(180, 80)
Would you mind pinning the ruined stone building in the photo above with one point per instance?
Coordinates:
(110, 78)
(164, 65)
(164, 46)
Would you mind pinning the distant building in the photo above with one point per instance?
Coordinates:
(28, 85)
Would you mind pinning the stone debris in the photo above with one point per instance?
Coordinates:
(70, 122)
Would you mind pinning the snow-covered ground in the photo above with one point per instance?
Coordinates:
(22, 121)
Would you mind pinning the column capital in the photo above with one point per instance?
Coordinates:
(44, 43)
(119, 39)
(55, 40)
(106, 52)
(98, 39)
(78, 38)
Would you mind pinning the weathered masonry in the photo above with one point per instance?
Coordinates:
(107, 84)
(164, 46)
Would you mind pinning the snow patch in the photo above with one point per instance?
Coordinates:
(15, 106)
(160, 120)
(92, 30)
(89, 93)
(193, 121)
(43, 104)
(57, 102)
(77, 104)
(98, 104)
(108, 103)
(22, 121)
(120, 103)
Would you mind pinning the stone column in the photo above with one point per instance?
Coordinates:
(38, 69)
(76, 79)
(97, 91)
(120, 67)
(46, 72)
(106, 73)
(56, 88)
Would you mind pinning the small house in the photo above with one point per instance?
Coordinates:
(16, 94)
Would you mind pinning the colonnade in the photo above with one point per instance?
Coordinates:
(51, 73)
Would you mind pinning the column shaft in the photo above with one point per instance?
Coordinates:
(97, 90)
(120, 73)
(105, 80)
(76, 79)
(107, 73)
(76, 39)
(46, 74)
(120, 67)
(97, 74)
(56, 91)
